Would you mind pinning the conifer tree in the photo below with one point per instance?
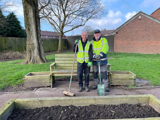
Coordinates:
(2, 24)
(14, 28)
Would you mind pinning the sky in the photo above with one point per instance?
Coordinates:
(117, 13)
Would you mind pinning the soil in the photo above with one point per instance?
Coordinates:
(85, 112)
(10, 55)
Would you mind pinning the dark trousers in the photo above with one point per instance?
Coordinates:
(103, 69)
(80, 68)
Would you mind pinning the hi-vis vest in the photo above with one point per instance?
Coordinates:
(100, 46)
(82, 55)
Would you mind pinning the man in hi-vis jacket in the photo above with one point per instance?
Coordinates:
(84, 60)
(100, 49)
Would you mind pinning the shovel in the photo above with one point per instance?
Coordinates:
(100, 87)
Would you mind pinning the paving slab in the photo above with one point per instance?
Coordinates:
(60, 86)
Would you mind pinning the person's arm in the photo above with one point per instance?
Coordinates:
(105, 47)
(75, 47)
(76, 42)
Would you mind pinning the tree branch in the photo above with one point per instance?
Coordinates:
(43, 6)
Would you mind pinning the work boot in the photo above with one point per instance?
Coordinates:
(80, 89)
(87, 89)
(94, 87)
(107, 89)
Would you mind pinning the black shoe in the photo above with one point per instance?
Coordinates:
(94, 87)
(80, 89)
(107, 90)
(87, 89)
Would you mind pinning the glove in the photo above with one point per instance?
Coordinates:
(76, 41)
(89, 64)
(101, 55)
(97, 57)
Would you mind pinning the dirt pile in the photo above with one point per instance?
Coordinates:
(6, 56)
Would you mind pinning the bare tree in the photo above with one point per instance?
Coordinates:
(3, 5)
(34, 48)
(88, 29)
(67, 15)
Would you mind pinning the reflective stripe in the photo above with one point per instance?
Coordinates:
(83, 58)
(97, 48)
(106, 43)
(80, 58)
(83, 51)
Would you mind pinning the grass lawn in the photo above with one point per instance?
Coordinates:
(145, 66)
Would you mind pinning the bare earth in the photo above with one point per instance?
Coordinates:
(85, 112)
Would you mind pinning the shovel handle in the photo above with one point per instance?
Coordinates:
(99, 71)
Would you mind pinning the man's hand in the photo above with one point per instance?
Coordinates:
(89, 64)
(76, 41)
(97, 57)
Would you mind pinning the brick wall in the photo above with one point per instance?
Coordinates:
(138, 36)
(156, 14)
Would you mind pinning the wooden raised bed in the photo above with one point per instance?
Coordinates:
(31, 103)
(37, 79)
(122, 78)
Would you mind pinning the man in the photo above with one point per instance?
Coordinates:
(100, 49)
(84, 58)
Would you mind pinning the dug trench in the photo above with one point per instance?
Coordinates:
(85, 112)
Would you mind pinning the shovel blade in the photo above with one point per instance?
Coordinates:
(101, 89)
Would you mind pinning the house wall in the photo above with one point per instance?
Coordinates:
(156, 14)
(138, 36)
(44, 36)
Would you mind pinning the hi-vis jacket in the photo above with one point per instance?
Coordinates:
(100, 47)
(84, 51)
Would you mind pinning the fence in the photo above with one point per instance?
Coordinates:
(19, 44)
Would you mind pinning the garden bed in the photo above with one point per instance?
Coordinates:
(85, 112)
(81, 108)
(122, 78)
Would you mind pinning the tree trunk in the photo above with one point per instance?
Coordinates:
(34, 48)
(60, 42)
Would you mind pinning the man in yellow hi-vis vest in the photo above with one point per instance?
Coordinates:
(84, 60)
(100, 49)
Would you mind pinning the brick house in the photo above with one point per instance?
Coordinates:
(49, 34)
(140, 34)
(106, 32)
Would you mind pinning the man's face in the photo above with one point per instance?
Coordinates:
(84, 36)
(97, 35)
